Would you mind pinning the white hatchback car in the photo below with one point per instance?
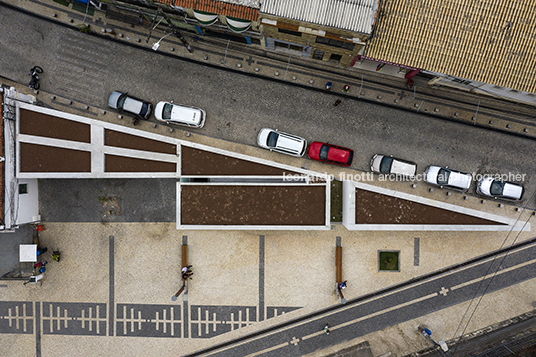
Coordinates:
(392, 166)
(284, 143)
(179, 114)
(496, 188)
(445, 177)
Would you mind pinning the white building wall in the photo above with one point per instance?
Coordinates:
(28, 205)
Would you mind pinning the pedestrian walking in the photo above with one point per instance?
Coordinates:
(337, 102)
(342, 285)
(329, 85)
(345, 89)
(326, 328)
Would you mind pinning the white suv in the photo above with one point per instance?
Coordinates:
(284, 143)
(445, 177)
(179, 114)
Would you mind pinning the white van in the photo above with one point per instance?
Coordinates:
(179, 114)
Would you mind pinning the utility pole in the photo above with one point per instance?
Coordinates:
(176, 32)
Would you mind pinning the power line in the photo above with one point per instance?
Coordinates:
(491, 279)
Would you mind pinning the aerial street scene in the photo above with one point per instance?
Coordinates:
(276, 178)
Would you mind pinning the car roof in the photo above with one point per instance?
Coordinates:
(192, 116)
(290, 142)
(403, 167)
(459, 179)
(512, 190)
(338, 154)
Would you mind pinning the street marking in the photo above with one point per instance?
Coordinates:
(459, 286)
(380, 312)
(268, 350)
(444, 291)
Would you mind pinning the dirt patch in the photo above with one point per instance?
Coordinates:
(42, 158)
(253, 205)
(39, 124)
(375, 208)
(128, 141)
(195, 162)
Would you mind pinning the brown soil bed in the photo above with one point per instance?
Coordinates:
(375, 208)
(39, 124)
(253, 205)
(197, 162)
(41, 158)
(114, 163)
(128, 141)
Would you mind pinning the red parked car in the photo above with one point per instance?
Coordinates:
(331, 154)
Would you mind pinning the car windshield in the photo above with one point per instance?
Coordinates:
(166, 113)
(443, 177)
(496, 188)
(272, 139)
(385, 166)
(323, 153)
(121, 101)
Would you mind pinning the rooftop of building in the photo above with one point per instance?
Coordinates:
(485, 41)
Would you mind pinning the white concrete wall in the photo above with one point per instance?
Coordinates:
(28, 205)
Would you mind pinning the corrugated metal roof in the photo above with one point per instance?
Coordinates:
(226, 8)
(352, 15)
(491, 41)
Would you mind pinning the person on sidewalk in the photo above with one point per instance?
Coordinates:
(345, 89)
(40, 264)
(342, 285)
(329, 85)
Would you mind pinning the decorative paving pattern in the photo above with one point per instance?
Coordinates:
(273, 311)
(67, 318)
(138, 320)
(208, 321)
(148, 320)
(16, 317)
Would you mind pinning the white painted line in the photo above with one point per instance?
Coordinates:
(268, 350)
(380, 312)
(502, 271)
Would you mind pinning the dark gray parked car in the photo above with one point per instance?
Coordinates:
(133, 105)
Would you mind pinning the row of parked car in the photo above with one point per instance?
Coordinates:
(289, 144)
(166, 112)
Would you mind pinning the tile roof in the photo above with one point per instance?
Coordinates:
(351, 15)
(491, 41)
(238, 9)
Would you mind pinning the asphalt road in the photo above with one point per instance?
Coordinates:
(87, 69)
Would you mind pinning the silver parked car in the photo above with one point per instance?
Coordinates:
(171, 113)
(392, 166)
(449, 178)
(284, 143)
(128, 103)
(500, 189)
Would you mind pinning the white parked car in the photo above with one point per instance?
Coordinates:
(389, 165)
(180, 115)
(284, 143)
(496, 188)
(449, 178)
(128, 103)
